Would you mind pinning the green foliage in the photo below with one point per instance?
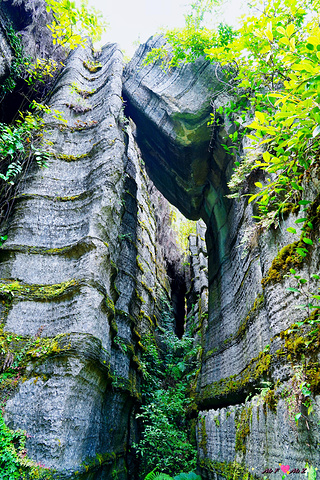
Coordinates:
(93, 66)
(243, 429)
(15, 140)
(312, 472)
(277, 57)
(296, 394)
(18, 62)
(189, 43)
(71, 24)
(167, 372)
(157, 476)
(163, 476)
(14, 463)
(310, 297)
(271, 67)
(41, 70)
(21, 144)
(187, 476)
(3, 239)
(70, 27)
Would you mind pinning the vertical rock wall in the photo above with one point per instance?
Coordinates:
(252, 369)
(197, 295)
(81, 275)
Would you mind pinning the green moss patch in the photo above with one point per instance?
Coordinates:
(229, 471)
(243, 429)
(256, 368)
(20, 290)
(72, 158)
(16, 352)
(287, 258)
(301, 346)
(204, 436)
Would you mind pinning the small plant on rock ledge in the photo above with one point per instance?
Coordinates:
(21, 145)
(15, 352)
(310, 298)
(298, 395)
(92, 66)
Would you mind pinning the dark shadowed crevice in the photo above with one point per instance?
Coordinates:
(178, 295)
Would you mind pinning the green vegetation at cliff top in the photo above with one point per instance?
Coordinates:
(270, 68)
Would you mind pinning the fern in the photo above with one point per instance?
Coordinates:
(157, 476)
(163, 476)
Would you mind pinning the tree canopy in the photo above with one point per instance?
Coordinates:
(71, 24)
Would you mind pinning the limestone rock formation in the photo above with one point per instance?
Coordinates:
(171, 111)
(197, 295)
(250, 348)
(29, 19)
(81, 275)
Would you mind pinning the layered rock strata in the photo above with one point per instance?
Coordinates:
(250, 348)
(81, 275)
(197, 296)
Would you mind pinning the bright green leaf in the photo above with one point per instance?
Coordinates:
(307, 240)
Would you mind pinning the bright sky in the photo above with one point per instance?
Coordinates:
(137, 20)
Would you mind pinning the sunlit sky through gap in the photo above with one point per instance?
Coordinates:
(134, 21)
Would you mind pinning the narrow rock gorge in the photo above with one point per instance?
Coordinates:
(90, 259)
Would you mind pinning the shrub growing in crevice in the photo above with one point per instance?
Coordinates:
(167, 372)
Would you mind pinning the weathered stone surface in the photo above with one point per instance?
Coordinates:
(269, 440)
(171, 111)
(241, 338)
(82, 249)
(197, 295)
(5, 50)
(241, 345)
(30, 19)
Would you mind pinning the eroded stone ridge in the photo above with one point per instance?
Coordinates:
(171, 110)
(79, 263)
